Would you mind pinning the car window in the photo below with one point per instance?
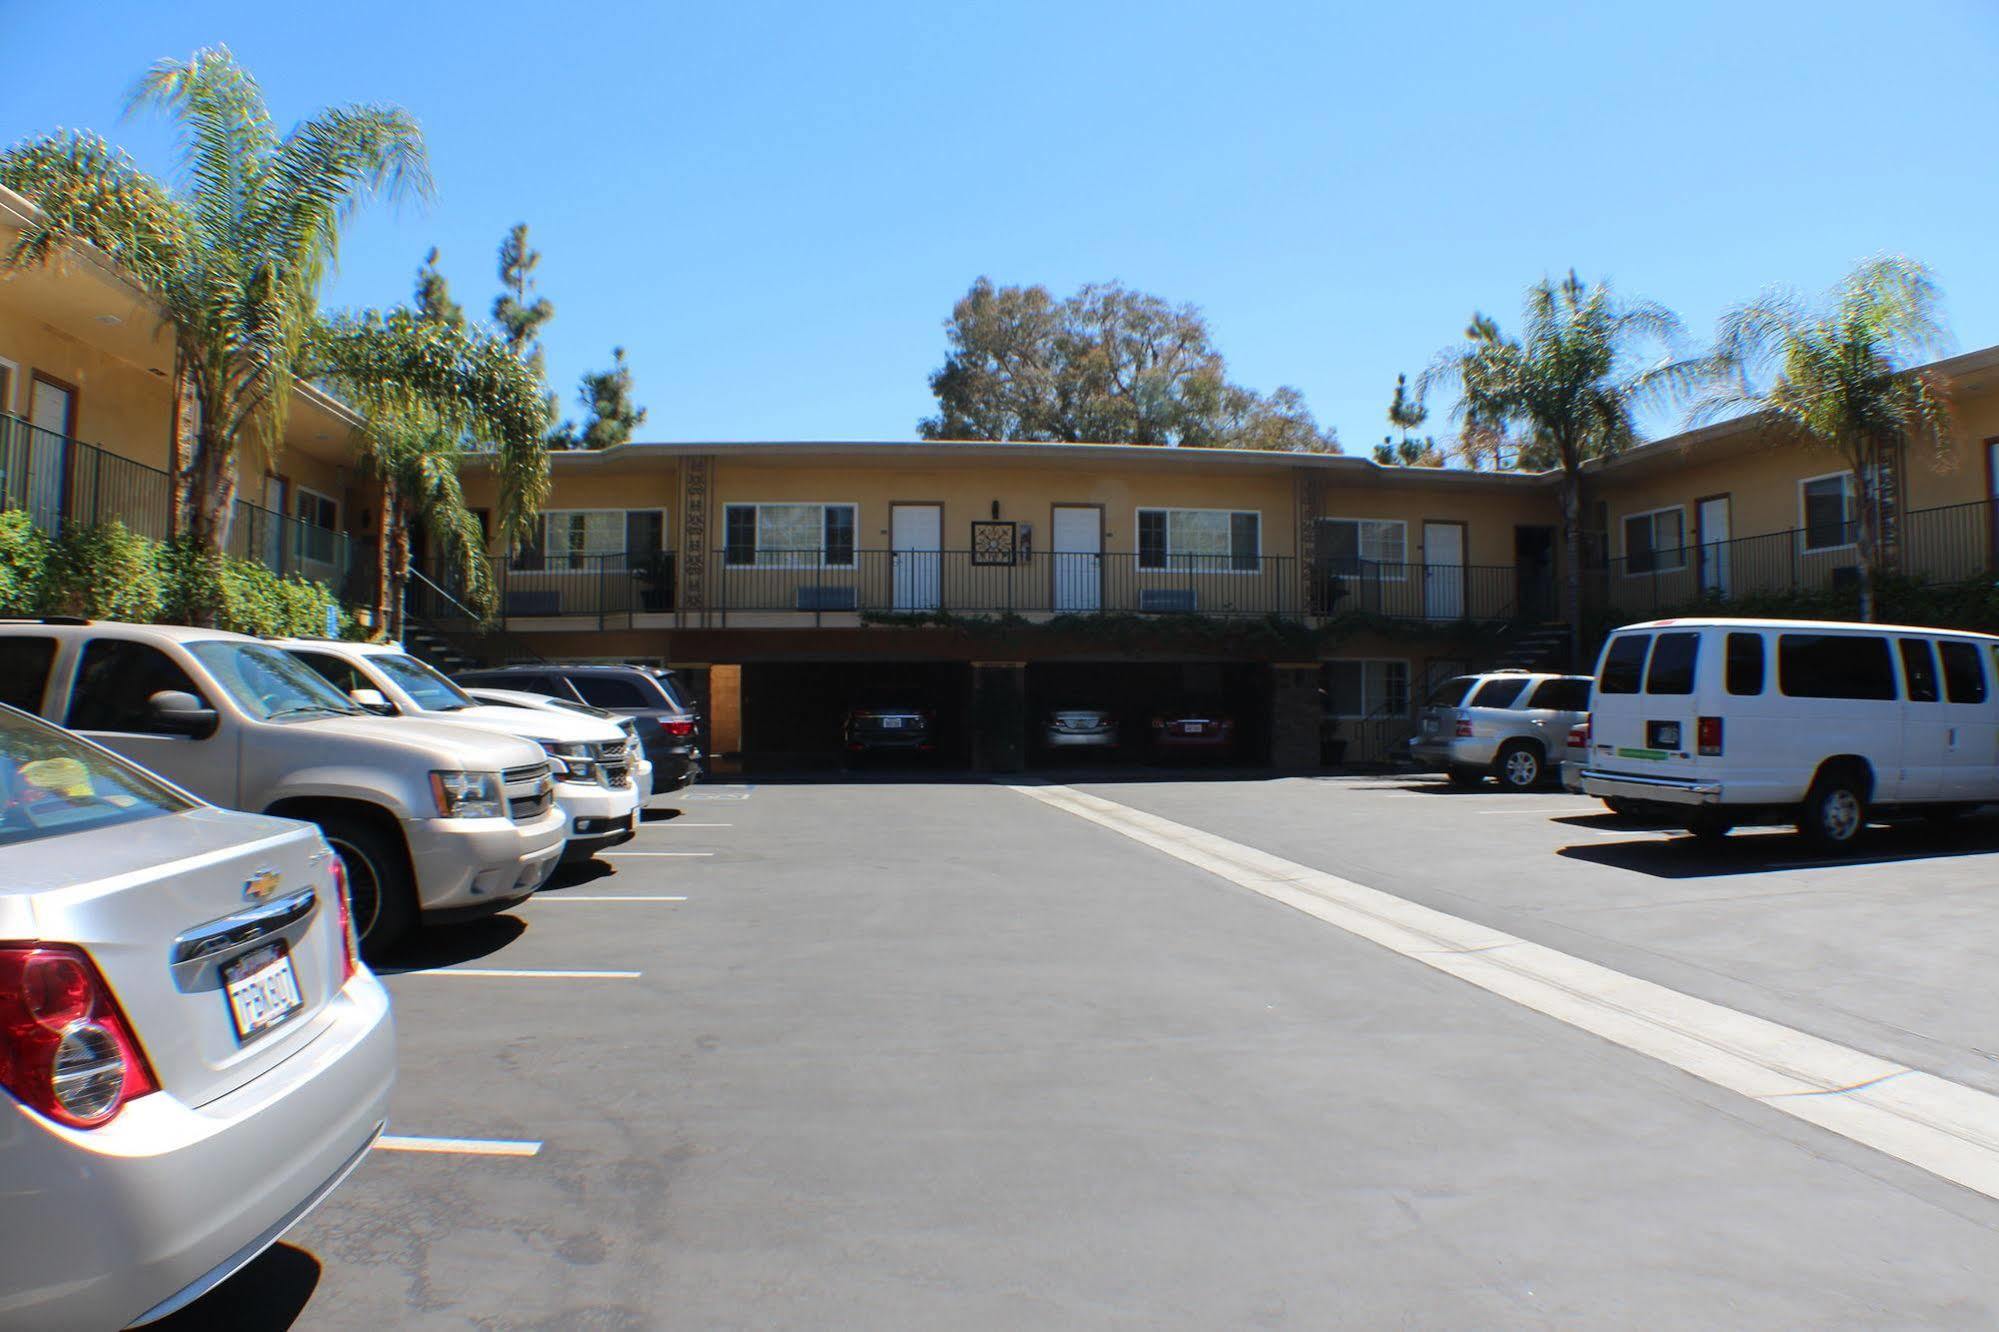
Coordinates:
(1561, 695)
(268, 683)
(1499, 692)
(1963, 675)
(431, 691)
(1919, 670)
(1673, 660)
(608, 691)
(24, 670)
(1745, 664)
(336, 671)
(115, 682)
(1624, 664)
(51, 784)
(1451, 692)
(669, 684)
(1834, 666)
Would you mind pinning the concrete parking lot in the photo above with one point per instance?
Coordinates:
(892, 1054)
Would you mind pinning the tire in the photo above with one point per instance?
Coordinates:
(1710, 826)
(379, 885)
(1617, 806)
(1834, 812)
(1520, 767)
(1460, 775)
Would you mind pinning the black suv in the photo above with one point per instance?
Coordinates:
(669, 727)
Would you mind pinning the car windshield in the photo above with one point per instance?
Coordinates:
(51, 783)
(426, 688)
(268, 683)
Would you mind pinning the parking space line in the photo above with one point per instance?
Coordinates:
(392, 1142)
(678, 824)
(620, 897)
(1545, 811)
(523, 973)
(1942, 1127)
(627, 855)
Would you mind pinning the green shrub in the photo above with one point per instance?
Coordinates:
(106, 572)
(24, 564)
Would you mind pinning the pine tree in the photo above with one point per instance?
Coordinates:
(1406, 412)
(433, 294)
(519, 317)
(613, 415)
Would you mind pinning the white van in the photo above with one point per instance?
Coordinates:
(1725, 722)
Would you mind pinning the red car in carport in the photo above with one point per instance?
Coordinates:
(1193, 729)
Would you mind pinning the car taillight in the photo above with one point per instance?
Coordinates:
(1707, 733)
(679, 727)
(65, 1049)
(1464, 728)
(1579, 735)
(350, 947)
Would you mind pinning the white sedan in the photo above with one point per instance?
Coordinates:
(191, 1054)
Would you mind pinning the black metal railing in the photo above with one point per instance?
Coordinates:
(1421, 591)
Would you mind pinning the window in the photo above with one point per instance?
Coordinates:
(607, 691)
(1745, 664)
(588, 539)
(336, 671)
(1834, 666)
(1200, 540)
(1655, 542)
(1673, 658)
(1624, 664)
(24, 671)
(9, 373)
(1378, 546)
(800, 536)
(421, 681)
(1963, 676)
(1498, 693)
(269, 683)
(1367, 688)
(1451, 692)
(1562, 695)
(50, 784)
(1830, 511)
(318, 516)
(115, 683)
(1919, 670)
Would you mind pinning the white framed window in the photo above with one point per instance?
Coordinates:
(1376, 547)
(1367, 687)
(1829, 511)
(318, 521)
(1200, 540)
(789, 535)
(1655, 542)
(10, 376)
(588, 540)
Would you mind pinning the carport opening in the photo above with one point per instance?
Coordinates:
(1134, 692)
(793, 711)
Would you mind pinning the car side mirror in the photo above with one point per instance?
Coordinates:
(373, 700)
(177, 712)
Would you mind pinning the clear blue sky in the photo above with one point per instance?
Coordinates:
(773, 206)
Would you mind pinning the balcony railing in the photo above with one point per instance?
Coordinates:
(62, 483)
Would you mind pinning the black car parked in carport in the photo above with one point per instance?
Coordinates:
(883, 724)
(669, 727)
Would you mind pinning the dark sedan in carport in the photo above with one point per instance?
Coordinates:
(890, 724)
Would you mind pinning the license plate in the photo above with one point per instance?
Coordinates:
(263, 990)
(891, 723)
(1429, 726)
(1193, 728)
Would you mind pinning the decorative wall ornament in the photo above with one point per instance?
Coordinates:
(995, 543)
(694, 532)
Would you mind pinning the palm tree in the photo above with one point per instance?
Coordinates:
(426, 386)
(1567, 392)
(235, 260)
(1842, 374)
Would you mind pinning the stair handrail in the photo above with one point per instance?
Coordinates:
(482, 625)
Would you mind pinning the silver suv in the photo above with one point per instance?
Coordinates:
(1512, 725)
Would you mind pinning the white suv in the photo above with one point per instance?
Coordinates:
(592, 758)
(1513, 725)
(435, 822)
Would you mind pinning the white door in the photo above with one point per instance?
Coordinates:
(50, 412)
(274, 523)
(1713, 525)
(916, 538)
(1078, 552)
(1443, 571)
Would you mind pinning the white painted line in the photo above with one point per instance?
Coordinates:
(510, 973)
(678, 824)
(1546, 811)
(628, 855)
(390, 1142)
(1947, 1129)
(625, 897)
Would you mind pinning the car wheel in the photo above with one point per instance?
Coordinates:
(1834, 812)
(1619, 807)
(379, 890)
(1519, 767)
(1710, 826)
(1460, 775)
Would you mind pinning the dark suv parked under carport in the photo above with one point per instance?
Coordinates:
(669, 727)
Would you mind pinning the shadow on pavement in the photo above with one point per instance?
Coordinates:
(659, 815)
(446, 945)
(575, 874)
(1760, 850)
(267, 1295)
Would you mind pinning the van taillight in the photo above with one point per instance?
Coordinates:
(1464, 728)
(1708, 735)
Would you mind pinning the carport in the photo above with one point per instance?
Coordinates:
(1135, 691)
(793, 710)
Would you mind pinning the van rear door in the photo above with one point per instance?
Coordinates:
(1643, 717)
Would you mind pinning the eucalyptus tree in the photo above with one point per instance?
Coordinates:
(1844, 374)
(233, 257)
(1569, 390)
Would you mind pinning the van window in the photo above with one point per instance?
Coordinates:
(115, 683)
(1745, 664)
(1919, 670)
(1562, 695)
(1673, 659)
(1834, 666)
(1624, 664)
(1498, 693)
(1963, 676)
(24, 670)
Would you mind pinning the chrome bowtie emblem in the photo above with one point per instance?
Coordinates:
(259, 886)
